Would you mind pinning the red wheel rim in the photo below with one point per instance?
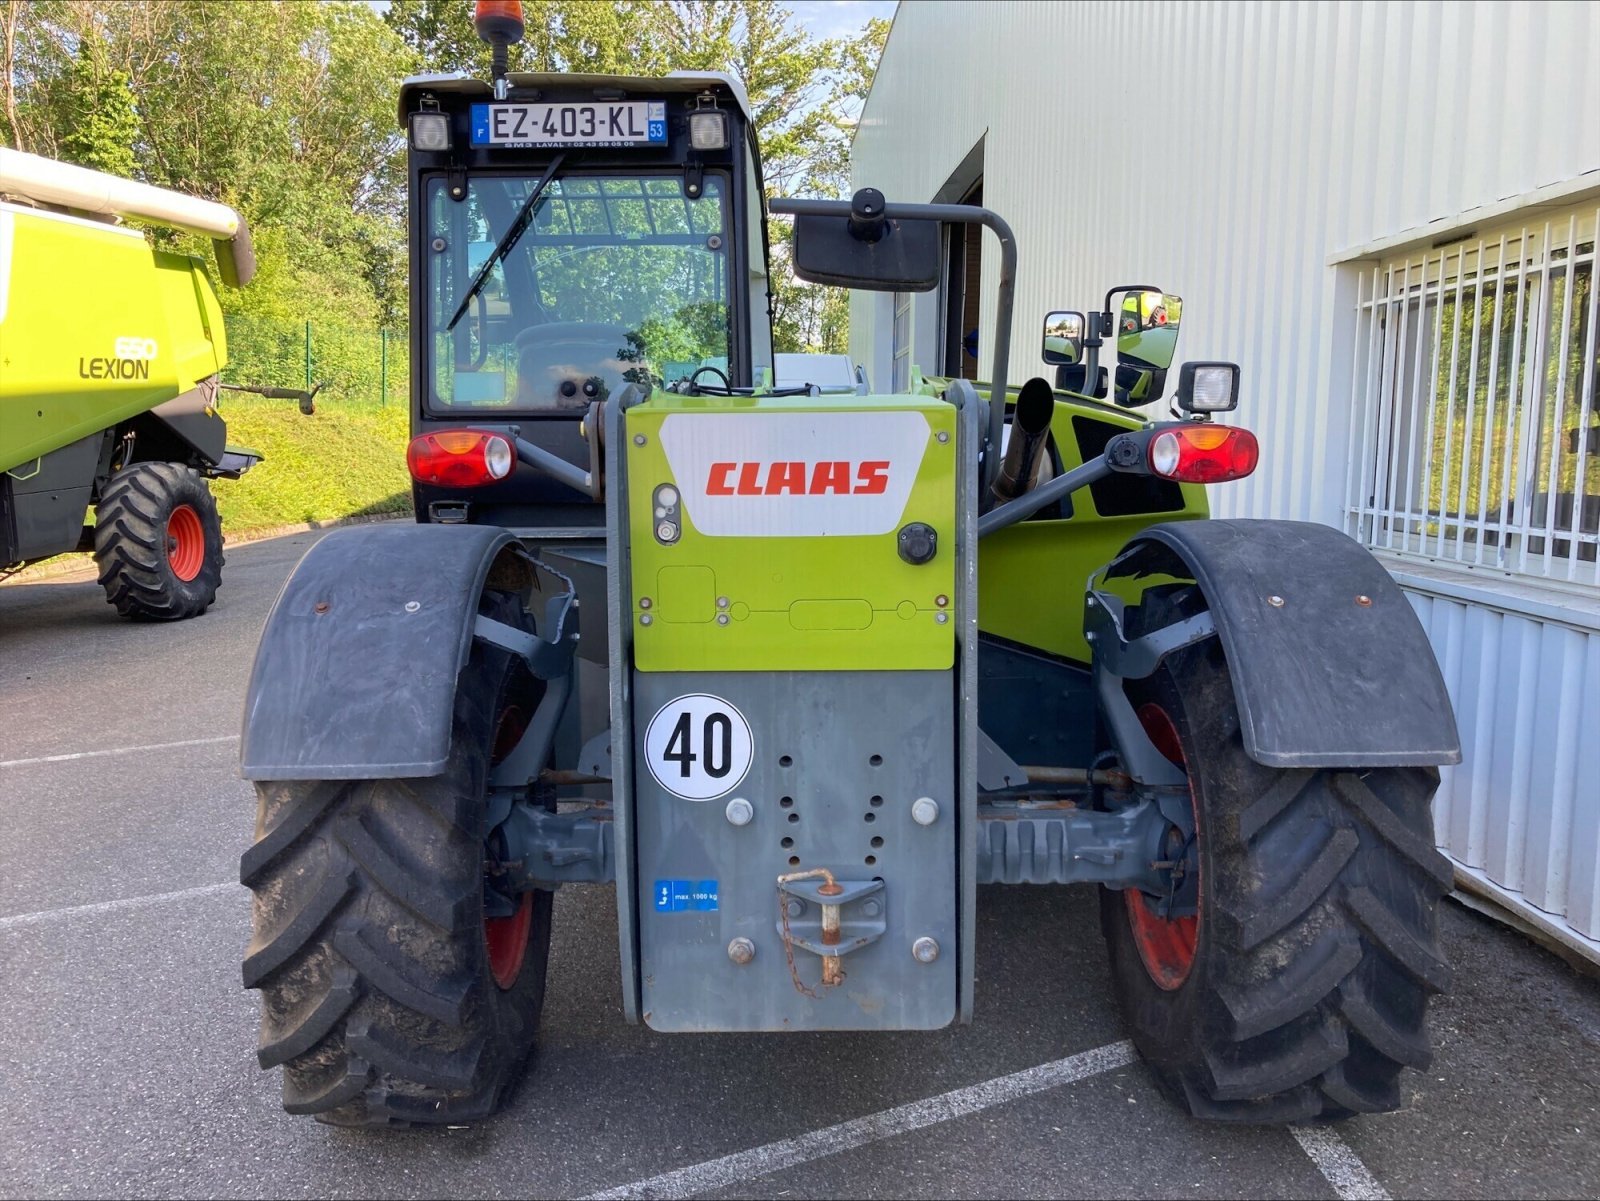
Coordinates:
(507, 937)
(1166, 944)
(507, 940)
(186, 543)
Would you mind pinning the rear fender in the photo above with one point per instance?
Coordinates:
(1330, 666)
(355, 675)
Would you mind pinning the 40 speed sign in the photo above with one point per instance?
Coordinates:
(698, 747)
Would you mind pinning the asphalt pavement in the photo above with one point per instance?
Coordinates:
(127, 1045)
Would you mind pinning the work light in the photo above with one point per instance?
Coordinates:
(430, 131)
(708, 130)
(1208, 387)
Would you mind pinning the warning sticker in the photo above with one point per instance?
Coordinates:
(698, 747)
(686, 896)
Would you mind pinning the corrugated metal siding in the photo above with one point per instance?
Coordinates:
(1523, 807)
(1227, 150)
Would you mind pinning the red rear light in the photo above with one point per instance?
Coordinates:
(459, 458)
(1201, 453)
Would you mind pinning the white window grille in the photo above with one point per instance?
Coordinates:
(1474, 417)
(900, 367)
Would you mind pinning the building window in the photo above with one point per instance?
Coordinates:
(900, 368)
(1474, 415)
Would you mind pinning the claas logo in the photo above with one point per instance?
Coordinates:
(833, 478)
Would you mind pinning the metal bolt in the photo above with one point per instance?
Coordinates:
(941, 601)
(413, 606)
(740, 811)
(924, 811)
(722, 619)
(942, 436)
(795, 906)
(1364, 601)
(741, 951)
(644, 602)
(639, 439)
(722, 602)
(925, 950)
(1275, 601)
(644, 619)
(941, 618)
(871, 907)
(1090, 601)
(320, 607)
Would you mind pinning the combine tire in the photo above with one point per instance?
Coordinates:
(158, 542)
(388, 997)
(1300, 989)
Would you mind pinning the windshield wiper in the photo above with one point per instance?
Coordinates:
(503, 247)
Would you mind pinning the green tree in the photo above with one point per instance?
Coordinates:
(104, 135)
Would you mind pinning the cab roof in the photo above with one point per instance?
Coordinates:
(673, 82)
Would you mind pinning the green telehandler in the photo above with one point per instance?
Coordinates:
(797, 672)
(110, 352)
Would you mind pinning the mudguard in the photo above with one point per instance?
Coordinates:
(1330, 666)
(355, 675)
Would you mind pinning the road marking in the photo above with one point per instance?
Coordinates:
(1338, 1164)
(160, 898)
(858, 1132)
(118, 750)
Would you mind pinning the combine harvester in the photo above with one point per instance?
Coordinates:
(110, 352)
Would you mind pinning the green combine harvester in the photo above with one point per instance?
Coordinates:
(110, 353)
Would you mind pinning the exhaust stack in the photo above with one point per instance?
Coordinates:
(1030, 430)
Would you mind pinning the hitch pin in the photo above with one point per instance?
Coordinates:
(832, 968)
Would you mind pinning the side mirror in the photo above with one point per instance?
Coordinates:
(1208, 387)
(1147, 340)
(1063, 338)
(867, 250)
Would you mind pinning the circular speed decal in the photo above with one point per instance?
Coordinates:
(698, 747)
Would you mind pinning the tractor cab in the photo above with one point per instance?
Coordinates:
(572, 235)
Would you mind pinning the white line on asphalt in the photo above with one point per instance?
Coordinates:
(858, 1132)
(118, 750)
(160, 898)
(1334, 1159)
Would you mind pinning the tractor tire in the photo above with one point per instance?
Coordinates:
(1299, 989)
(388, 997)
(158, 542)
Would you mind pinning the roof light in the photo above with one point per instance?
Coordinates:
(459, 458)
(498, 19)
(1204, 454)
(708, 129)
(430, 131)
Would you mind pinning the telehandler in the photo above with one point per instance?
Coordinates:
(796, 673)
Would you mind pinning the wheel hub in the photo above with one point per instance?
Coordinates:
(186, 543)
(1166, 944)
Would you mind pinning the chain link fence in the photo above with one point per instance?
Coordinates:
(355, 366)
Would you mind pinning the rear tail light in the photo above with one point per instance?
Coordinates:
(459, 458)
(1204, 454)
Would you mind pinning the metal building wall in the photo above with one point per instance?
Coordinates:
(1242, 155)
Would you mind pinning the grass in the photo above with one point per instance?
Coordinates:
(346, 460)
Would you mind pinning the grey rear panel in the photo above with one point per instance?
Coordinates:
(703, 882)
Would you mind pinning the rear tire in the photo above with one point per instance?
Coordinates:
(1316, 945)
(158, 542)
(385, 997)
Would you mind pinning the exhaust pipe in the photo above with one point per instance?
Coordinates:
(1030, 430)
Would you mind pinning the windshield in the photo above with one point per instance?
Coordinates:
(618, 279)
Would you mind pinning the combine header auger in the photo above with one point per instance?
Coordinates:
(109, 357)
(797, 672)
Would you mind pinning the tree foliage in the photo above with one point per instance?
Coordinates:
(285, 109)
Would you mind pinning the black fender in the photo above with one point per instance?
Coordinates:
(1330, 666)
(355, 674)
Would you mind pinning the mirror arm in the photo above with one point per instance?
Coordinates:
(953, 214)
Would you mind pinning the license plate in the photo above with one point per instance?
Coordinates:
(584, 123)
